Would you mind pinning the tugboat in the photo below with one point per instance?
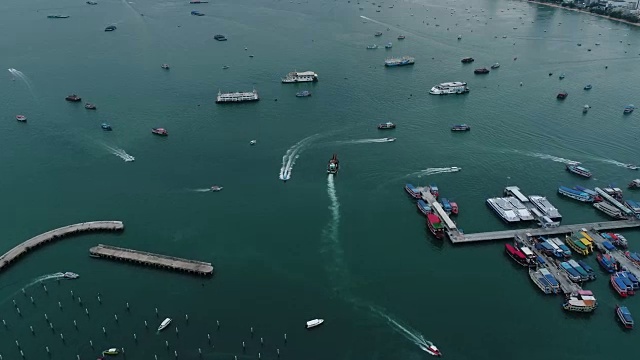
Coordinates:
(483, 70)
(625, 316)
(165, 66)
(159, 131)
(386, 126)
(629, 109)
(562, 95)
(73, 98)
(578, 170)
(110, 28)
(334, 165)
(89, 106)
(304, 93)
(106, 127)
(21, 118)
(461, 127)
(467, 60)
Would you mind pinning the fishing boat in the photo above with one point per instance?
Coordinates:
(401, 37)
(483, 70)
(435, 226)
(106, 127)
(304, 93)
(624, 315)
(423, 207)
(454, 208)
(112, 351)
(165, 66)
(581, 301)
(495, 66)
(197, 13)
(110, 28)
(57, 16)
(70, 275)
(386, 126)
(334, 165)
(164, 324)
(446, 206)
(371, 47)
(21, 118)
(216, 188)
(378, 33)
(618, 285)
(575, 194)
(633, 256)
(562, 95)
(314, 323)
(540, 281)
(517, 255)
(555, 285)
(588, 87)
(629, 109)
(578, 170)
(433, 189)
(461, 127)
(431, 349)
(73, 98)
(159, 131)
(606, 262)
(467, 60)
(634, 184)
(415, 193)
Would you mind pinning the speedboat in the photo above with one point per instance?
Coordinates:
(253, 142)
(196, 13)
(588, 87)
(313, 323)
(112, 351)
(461, 127)
(159, 131)
(70, 275)
(164, 324)
(390, 139)
(387, 125)
(401, 37)
(89, 106)
(73, 98)
(562, 95)
(225, 67)
(631, 167)
(57, 16)
(431, 349)
(495, 66)
(388, 46)
(334, 165)
(459, 37)
(561, 76)
(304, 93)
(106, 127)
(216, 188)
(110, 28)
(378, 33)
(629, 109)
(585, 108)
(165, 66)
(21, 118)
(370, 47)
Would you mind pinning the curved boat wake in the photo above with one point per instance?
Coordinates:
(17, 74)
(405, 330)
(38, 280)
(120, 153)
(613, 162)
(433, 171)
(290, 157)
(550, 157)
(364, 141)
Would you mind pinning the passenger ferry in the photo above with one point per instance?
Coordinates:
(627, 282)
(405, 60)
(555, 286)
(446, 206)
(634, 184)
(540, 281)
(581, 301)
(446, 88)
(435, 225)
(625, 316)
(610, 210)
(433, 189)
(596, 197)
(577, 245)
(386, 126)
(571, 272)
(461, 127)
(545, 206)
(575, 194)
(633, 256)
(423, 207)
(504, 209)
(517, 255)
(578, 170)
(237, 97)
(303, 76)
(411, 190)
(606, 262)
(618, 285)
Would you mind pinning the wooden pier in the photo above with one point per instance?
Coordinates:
(10, 256)
(151, 259)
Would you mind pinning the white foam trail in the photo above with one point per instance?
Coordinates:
(338, 272)
(364, 141)
(35, 281)
(410, 334)
(201, 190)
(551, 157)
(120, 153)
(613, 162)
(20, 75)
(290, 157)
(433, 171)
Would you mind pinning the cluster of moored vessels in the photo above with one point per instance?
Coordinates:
(432, 211)
(249, 96)
(608, 200)
(517, 207)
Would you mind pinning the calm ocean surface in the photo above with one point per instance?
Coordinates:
(353, 251)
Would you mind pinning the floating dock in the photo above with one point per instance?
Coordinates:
(151, 259)
(10, 256)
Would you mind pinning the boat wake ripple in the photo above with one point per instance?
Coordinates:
(550, 157)
(120, 153)
(338, 272)
(38, 280)
(405, 330)
(613, 162)
(433, 171)
(17, 74)
(290, 157)
(201, 190)
(364, 141)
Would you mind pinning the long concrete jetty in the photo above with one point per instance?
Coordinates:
(10, 256)
(151, 259)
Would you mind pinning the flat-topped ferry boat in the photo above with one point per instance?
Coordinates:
(237, 97)
(578, 170)
(545, 206)
(405, 60)
(300, 76)
(446, 88)
(581, 301)
(540, 281)
(423, 207)
(435, 226)
(411, 190)
(575, 194)
(624, 315)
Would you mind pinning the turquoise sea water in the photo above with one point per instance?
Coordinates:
(354, 252)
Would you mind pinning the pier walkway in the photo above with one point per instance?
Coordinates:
(616, 255)
(151, 259)
(435, 205)
(10, 256)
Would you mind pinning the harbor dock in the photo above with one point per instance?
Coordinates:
(617, 255)
(151, 259)
(10, 256)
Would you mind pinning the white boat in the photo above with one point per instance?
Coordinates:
(455, 87)
(313, 323)
(520, 209)
(503, 208)
(303, 76)
(608, 209)
(545, 206)
(253, 142)
(216, 188)
(164, 324)
(237, 97)
(112, 351)
(390, 139)
(431, 349)
(70, 275)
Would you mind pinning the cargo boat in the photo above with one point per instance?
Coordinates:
(571, 272)
(433, 189)
(596, 197)
(555, 286)
(517, 255)
(423, 207)
(624, 315)
(610, 210)
(606, 262)
(334, 165)
(435, 226)
(446, 206)
(575, 194)
(415, 193)
(540, 281)
(578, 170)
(618, 285)
(545, 206)
(581, 301)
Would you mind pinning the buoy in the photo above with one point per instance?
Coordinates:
(86, 311)
(104, 331)
(209, 338)
(51, 326)
(91, 343)
(116, 317)
(77, 357)
(218, 323)
(127, 306)
(155, 356)
(200, 352)
(259, 356)
(243, 347)
(176, 330)
(135, 338)
(252, 331)
(79, 300)
(71, 293)
(59, 305)
(285, 337)
(14, 303)
(47, 348)
(278, 351)
(24, 292)
(4, 323)
(62, 337)
(262, 341)
(176, 353)
(21, 353)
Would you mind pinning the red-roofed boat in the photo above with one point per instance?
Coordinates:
(435, 225)
(517, 255)
(159, 131)
(454, 207)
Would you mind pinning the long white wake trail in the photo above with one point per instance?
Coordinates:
(364, 141)
(405, 330)
(550, 157)
(35, 281)
(433, 171)
(290, 157)
(338, 271)
(120, 153)
(17, 74)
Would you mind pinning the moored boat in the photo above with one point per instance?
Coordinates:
(596, 197)
(578, 170)
(590, 272)
(616, 239)
(517, 255)
(624, 315)
(164, 324)
(581, 301)
(543, 204)
(314, 323)
(572, 273)
(555, 285)
(634, 280)
(483, 70)
(606, 262)
(423, 207)
(411, 190)
(454, 208)
(633, 256)
(618, 285)
(433, 189)
(562, 95)
(21, 118)
(435, 225)
(334, 165)
(446, 206)
(584, 275)
(461, 127)
(540, 281)
(577, 245)
(386, 126)
(575, 194)
(627, 282)
(504, 209)
(610, 210)
(159, 131)
(73, 98)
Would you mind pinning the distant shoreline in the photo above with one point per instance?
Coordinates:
(584, 12)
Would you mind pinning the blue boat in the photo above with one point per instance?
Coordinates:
(446, 205)
(423, 207)
(106, 127)
(606, 262)
(589, 269)
(583, 273)
(632, 278)
(573, 273)
(629, 109)
(609, 246)
(575, 194)
(565, 249)
(433, 189)
(555, 286)
(627, 282)
(545, 247)
(197, 13)
(541, 260)
(625, 316)
(304, 93)
(413, 191)
(633, 205)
